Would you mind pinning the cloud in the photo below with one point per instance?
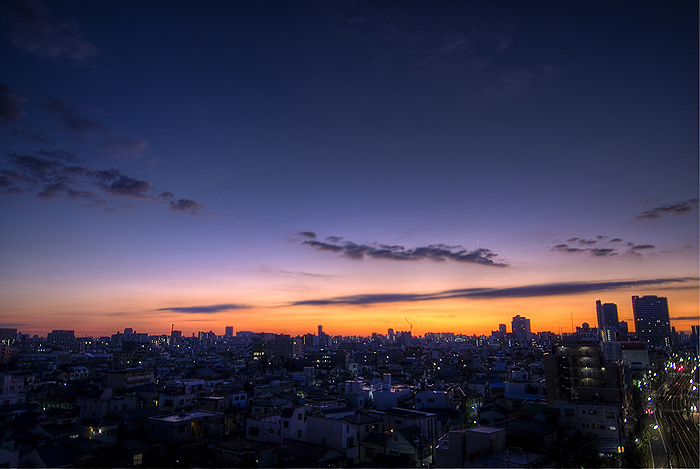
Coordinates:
(527, 291)
(321, 246)
(37, 137)
(435, 252)
(78, 194)
(72, 120)
(34, 31)
(186, 205)
(307, 234)
(680, 208)
(38, 168)
(685, 318)
(120, 147)
(205, 309)
(587, 241)
(53, 191)
(108, 174)
(639, 247)
(632, 248)
(50, 174)
(602, 252)
(59, 155)
(10, 103)
(125, 186)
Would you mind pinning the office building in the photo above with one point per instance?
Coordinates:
(651, 320)
(521, 327)
(607, 318)
(229, 331)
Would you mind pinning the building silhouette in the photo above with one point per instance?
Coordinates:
(651, 320)
(607, 315)
(608, 323)
(521, 327)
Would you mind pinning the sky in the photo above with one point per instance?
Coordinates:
(275, 166)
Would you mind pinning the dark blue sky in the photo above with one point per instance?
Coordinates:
(526, 130)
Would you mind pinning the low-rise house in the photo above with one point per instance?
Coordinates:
(459, 448)
(410, 443)
(132, 422)
(242, 452)
(337, 434)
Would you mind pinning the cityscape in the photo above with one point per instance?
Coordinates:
(602, 396)
(305, 233)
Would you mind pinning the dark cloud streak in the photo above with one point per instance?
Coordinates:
(680, 208)
(528, 291)
(435, 252)
(205, 309)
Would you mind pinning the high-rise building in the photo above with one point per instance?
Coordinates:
(608, 324)
(520, 327)
(229, 331)
(502, 329)
(651, 320)
(607, 315)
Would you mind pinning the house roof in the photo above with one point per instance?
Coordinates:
(54, 456)
(309, 454)
(287, 412)
(527, 425)
(360, 419)
(377, 438)
(241, 444)
(414, 436)
(132, 415)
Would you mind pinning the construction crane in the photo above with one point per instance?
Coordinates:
(410, 324)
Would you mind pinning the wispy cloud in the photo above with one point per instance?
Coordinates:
(466, 55)
(685, 318)
(527, 291)
(54, 174)
(205, 309)
(33, 30)
(121, 147)
(679, 208)
(434, 252)
(72, 120)
(577, 245)
(10, 110)
(181, 205)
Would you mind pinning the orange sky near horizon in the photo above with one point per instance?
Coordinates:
(463, 316)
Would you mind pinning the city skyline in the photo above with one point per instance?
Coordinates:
(275, 166)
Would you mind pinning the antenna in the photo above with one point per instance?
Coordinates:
(572, 322)
(410, 324)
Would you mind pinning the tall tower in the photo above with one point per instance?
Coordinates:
(651, 320)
